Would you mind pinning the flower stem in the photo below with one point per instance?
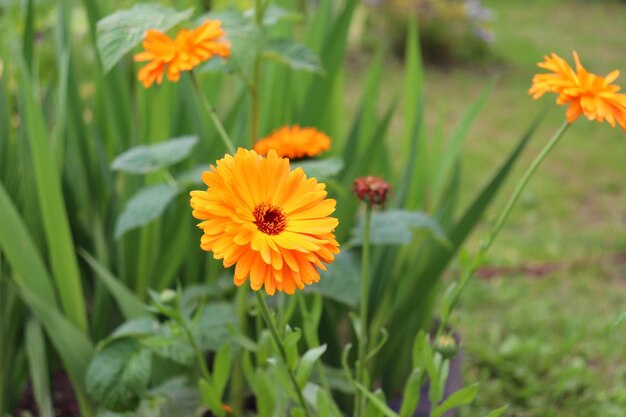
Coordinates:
(359, 399)
(281, 348)
(212, 114)
(488, 241)
(199, 357)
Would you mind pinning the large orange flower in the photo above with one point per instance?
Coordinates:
(294, 142)
(268, 220)
(586, 93)
(171, 56)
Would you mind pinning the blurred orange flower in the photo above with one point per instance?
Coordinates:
(294, 142)
(586, 93)
(268, 220)
(190, 48)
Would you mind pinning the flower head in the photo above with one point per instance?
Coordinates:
(172, 56)
(372, 190)
(268, 220)
(294, 142)
(586, 93)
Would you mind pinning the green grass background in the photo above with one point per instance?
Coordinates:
(543, 344)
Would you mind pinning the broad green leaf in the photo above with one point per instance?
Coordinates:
(244, 37)
(377, 402)
(170, 342)
(342, 281)
(118, 375)
(211, 329)
(38, 367)
(141, 326)
(461, 397)
(145, 206)
(192, 176)
(397, 227)
(290, 342)
(306, 363)
(143, 159)
(121, 31)
(128, 303)
(321, 169)
(293, 54)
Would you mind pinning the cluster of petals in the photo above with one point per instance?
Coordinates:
(372, 190)
(271, 222)
(294, 142)
(586, 94)
(172, 56)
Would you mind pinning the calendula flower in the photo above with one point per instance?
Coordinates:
(172, 56)
(586, 93)
(294, 142)
(268, 220)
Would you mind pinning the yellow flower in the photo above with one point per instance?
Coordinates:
(171, 56)
(294, 142)
(586, 93)
(268, 220)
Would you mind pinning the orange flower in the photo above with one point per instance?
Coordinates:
(294, 142)
(268, 220)
(190, 48)
(586, 93)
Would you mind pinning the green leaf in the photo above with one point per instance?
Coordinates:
(275, 14)
(498, 411)
(221, 369)
(411, 394)
(620, 319)
(376, 401)
(372, 410)
(149, 158)
(121, 31)
(293, 54)
(209, 395)
(244, 37)
(306, 363)
(397, 227)
(145, 206)
(118, 375)
(59, 239)
(342, 281)
(192, 176)
(211, 329)
(128, 303)
(38, 367)
(321, 169)
(461, 397)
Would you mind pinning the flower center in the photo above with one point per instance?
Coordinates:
(269, 219)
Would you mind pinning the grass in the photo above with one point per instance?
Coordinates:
(544, 345)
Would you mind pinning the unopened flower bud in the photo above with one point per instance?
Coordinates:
(372, 190)
(167, 296)
(446, 346)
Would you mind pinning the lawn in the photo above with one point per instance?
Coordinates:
(543, 343)
(537, 335)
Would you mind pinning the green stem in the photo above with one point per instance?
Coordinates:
(212, 114)
(359, 399)
(488, 241)
(281, 348)
(199, 357)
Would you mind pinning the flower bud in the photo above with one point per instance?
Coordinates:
(372, 190)
(167, 296)
(446, 346)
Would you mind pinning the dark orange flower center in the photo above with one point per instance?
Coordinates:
(269, 219)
